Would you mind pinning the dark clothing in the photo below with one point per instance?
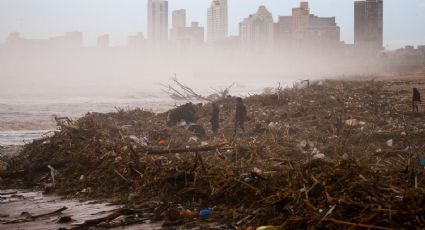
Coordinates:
(416, 100)
(416, 96)
(215, 118)
(240, 115)
(185, 112)
(197, 129)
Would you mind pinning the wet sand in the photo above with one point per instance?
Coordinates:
(35, 203)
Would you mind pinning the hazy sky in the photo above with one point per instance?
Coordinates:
(404, 20)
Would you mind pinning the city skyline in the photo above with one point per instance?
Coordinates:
(395, 35)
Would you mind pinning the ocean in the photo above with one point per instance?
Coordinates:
(25, 115)
(22, 121)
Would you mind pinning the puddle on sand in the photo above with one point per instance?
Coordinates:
(34, 202)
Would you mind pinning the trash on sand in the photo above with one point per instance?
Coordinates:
(351, 122)
(204, 213)
(267, 228)
(319, 156)
(248, 180)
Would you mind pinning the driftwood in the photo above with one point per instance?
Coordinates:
(108, 218)
(356, 224)
(29, 217)
(35, 168)
(152, 151)
(180, 91)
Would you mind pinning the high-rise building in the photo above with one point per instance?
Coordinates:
(283, 32)
(217, 27)
(300, 22)
(179, 22)
(179, 18)
(183, 35)
(368, 24)
(157, 21)
(305, 30)
(256, 31)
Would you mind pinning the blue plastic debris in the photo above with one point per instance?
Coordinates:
(248, 180)
(204, 213)
(422, 162)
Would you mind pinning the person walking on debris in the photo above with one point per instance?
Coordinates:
(215, 118)
(240, 115)
(416, 100)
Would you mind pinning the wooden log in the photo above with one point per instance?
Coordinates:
(152, 151)
(108, 218)
(356, 224)
(30, 217)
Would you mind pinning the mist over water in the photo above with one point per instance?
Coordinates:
(38, 82)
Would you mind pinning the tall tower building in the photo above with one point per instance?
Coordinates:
(179, 18)
(217, 27)
(256, 31)
(368, 24)
(157, 21)
(179, 23)
(300, 22)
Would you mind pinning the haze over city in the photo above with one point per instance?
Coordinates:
(47, 18)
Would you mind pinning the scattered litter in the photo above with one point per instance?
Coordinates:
(204, 213)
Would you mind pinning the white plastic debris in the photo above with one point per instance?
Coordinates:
(403, 133)
(143, 141)
(182, 124)
(319, 156)
(257, 170)
(407, 149)
(192, 140)
(52, 174)
(273, 125)
(378, 150)
(351, 122)
(390, 142)
(315, 151)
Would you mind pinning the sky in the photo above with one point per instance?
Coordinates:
(404, 20)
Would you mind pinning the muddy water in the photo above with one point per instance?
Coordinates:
(35, 203)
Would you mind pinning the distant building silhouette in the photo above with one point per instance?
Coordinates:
(185, 36)
(368, 24)
(70, 40)
(138, 41)
(217, 23)
(103, 41)
(179, 18)
(178, 22)
(256, 31)
(303, 30)
(157, 21)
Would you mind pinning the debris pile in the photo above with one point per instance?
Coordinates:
(334, 155)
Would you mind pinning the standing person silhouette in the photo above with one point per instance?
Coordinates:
(215, 118)
(416, 100)
(240, 115)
